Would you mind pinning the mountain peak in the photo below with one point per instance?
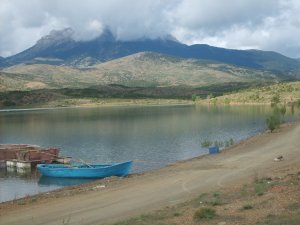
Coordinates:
(56, 36)
(106, 36)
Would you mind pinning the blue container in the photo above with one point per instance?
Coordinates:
(213, 150)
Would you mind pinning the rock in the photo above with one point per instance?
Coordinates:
(279, 158)
(98, 187)
(222, 223)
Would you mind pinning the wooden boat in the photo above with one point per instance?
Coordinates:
(85, 170)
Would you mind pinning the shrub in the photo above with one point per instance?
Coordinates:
(194, 98)
(275, 99)
(282, 110)
(206, 143)
(205, 213)
(273, 121)
(298, 103)
(227, 101)
(247, 207)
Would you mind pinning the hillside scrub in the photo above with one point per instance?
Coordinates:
(281, 93)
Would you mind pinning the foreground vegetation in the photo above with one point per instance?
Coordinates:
(266, 200)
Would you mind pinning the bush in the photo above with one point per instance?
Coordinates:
(275, 99)
(194, 98)
(206, 143)
(273, 121)
(282, 110)
(247, 207)
(205, 213)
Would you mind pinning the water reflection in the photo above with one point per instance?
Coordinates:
(61, 182)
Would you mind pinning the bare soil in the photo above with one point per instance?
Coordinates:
(117, 199)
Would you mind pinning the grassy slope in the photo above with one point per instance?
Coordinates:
(142, 70)
(288, 93)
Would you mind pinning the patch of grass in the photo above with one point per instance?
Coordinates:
(21, 202)
(261, 186)
(176, 214)
(248, 206)
(33, 199)
(205, 213)
(210, 199)
(206, 143)
(244, 191)
(157, 217)
(282, 220)
(294, 207)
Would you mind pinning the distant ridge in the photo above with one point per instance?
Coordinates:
(62, 49)
(144, 69)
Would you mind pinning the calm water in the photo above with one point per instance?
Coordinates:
(155, 136)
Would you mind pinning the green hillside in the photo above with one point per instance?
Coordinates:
(138, 70)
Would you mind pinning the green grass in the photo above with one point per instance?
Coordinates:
(205, 213)
(261, 186)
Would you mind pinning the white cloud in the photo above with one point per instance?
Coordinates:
(243, 24)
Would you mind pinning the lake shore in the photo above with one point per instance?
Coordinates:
(92, 103)
(113, 199)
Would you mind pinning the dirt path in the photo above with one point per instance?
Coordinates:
(171, 185)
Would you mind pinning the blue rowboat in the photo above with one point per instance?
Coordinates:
(85, 171)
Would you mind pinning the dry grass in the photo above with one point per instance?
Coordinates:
(264, 201)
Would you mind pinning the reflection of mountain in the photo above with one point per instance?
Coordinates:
(52, 181)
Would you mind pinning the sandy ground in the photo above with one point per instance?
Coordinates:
(171, 185)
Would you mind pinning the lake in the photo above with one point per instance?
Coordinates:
(154, 136)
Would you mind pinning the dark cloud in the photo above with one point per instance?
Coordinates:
(262, 24)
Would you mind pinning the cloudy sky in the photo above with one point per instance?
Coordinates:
(239, 24)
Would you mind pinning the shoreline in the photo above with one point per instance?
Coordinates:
(164, 103)
(117, 184)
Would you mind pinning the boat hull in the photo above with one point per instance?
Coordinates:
(85, 171)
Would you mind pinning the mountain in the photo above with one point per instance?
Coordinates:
(146, 69)
(59, 48)
(2, 62)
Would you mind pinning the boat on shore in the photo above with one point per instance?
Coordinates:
(85, 170)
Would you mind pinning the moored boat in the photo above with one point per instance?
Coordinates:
(85, 170)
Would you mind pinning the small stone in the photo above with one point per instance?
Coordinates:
(222, 223)
(98, 187)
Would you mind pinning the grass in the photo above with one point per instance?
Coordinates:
(261, 186)
(205, 213)
(236, 206)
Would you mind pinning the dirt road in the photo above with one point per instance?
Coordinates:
(171, 185)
